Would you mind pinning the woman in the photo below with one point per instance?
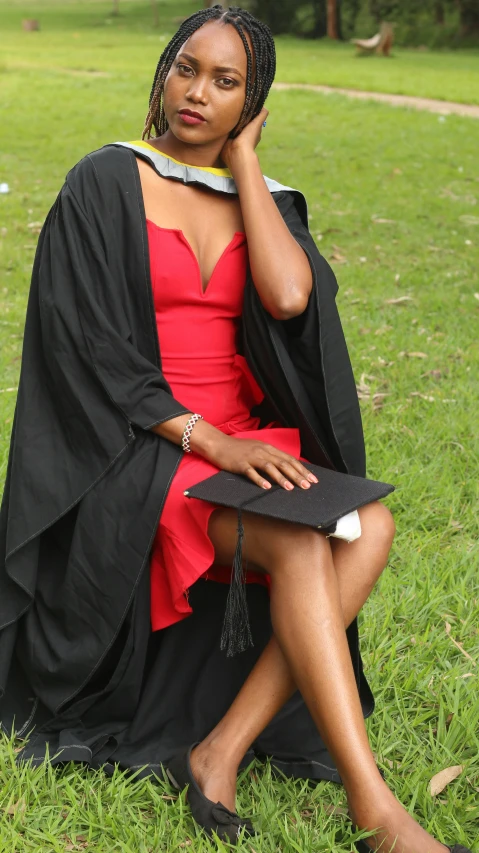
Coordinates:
(113, 422)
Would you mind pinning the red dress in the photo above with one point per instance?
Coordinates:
(197, 334)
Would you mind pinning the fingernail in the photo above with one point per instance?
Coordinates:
(305, 484)
(288, 486)
(312, 478)
(266, 485)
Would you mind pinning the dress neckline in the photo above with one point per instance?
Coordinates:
(188, 245)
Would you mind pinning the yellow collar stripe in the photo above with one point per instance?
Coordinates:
(224, 172)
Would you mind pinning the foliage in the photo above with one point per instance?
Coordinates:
(279, 16)
(469, 11)
(393, 198)
(435, 23)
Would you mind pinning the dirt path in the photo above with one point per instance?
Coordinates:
(441, 107)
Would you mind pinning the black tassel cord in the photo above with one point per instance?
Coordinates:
(236, 636)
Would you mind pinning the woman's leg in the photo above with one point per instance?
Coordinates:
(309, 617)
(270, 684)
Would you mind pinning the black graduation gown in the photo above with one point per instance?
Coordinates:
(81, 672)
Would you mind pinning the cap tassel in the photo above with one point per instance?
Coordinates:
(236, 635)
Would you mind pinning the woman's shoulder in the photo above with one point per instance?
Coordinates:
(99, 180)
(103, 164)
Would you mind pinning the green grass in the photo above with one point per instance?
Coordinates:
(86, 36)
(359, 163)
(450, 76)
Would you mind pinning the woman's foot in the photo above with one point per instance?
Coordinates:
(215, 775)
(397, 830)
(213, 817)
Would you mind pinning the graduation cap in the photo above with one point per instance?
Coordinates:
(321, 506)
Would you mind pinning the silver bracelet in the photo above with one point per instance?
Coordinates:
(185, 440)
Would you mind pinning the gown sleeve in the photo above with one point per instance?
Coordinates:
(88, 378)
(84, 321)
(304, 361)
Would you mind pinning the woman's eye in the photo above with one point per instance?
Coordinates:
(228, 82)
(183, 67)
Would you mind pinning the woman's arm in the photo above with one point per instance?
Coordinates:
(279, 266)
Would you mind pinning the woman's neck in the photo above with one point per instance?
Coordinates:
(207, 155)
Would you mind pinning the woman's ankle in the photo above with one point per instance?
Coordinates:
(219, 747)
(215, 776)
(369, 801)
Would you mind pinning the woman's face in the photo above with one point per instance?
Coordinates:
(207, 79)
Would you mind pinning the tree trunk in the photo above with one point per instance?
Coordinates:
(156, 16)
(332, 13)
(116, 7)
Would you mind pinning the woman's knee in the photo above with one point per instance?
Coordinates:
(378, 524)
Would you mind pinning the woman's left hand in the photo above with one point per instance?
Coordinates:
(245, 143)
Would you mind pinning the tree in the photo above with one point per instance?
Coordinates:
(326, 16)
(332, 18)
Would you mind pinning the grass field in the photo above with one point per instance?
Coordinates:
(393, 200)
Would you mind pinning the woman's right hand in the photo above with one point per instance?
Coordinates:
(250, 457)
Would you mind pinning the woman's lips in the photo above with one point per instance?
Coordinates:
(189, 118)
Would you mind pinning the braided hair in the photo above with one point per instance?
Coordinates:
(257, 86)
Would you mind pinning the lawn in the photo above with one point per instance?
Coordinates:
(393, 202)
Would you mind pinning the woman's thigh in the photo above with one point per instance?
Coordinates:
(266, 541)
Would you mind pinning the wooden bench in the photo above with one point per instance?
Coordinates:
(381, 43)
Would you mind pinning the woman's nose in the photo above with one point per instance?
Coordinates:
(197, 92)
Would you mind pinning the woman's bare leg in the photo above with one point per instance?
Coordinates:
(270, 684)
(311, 652)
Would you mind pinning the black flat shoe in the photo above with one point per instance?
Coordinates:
(458, 848)
(213, 817)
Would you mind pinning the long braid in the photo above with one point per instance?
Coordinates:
(257, 85)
